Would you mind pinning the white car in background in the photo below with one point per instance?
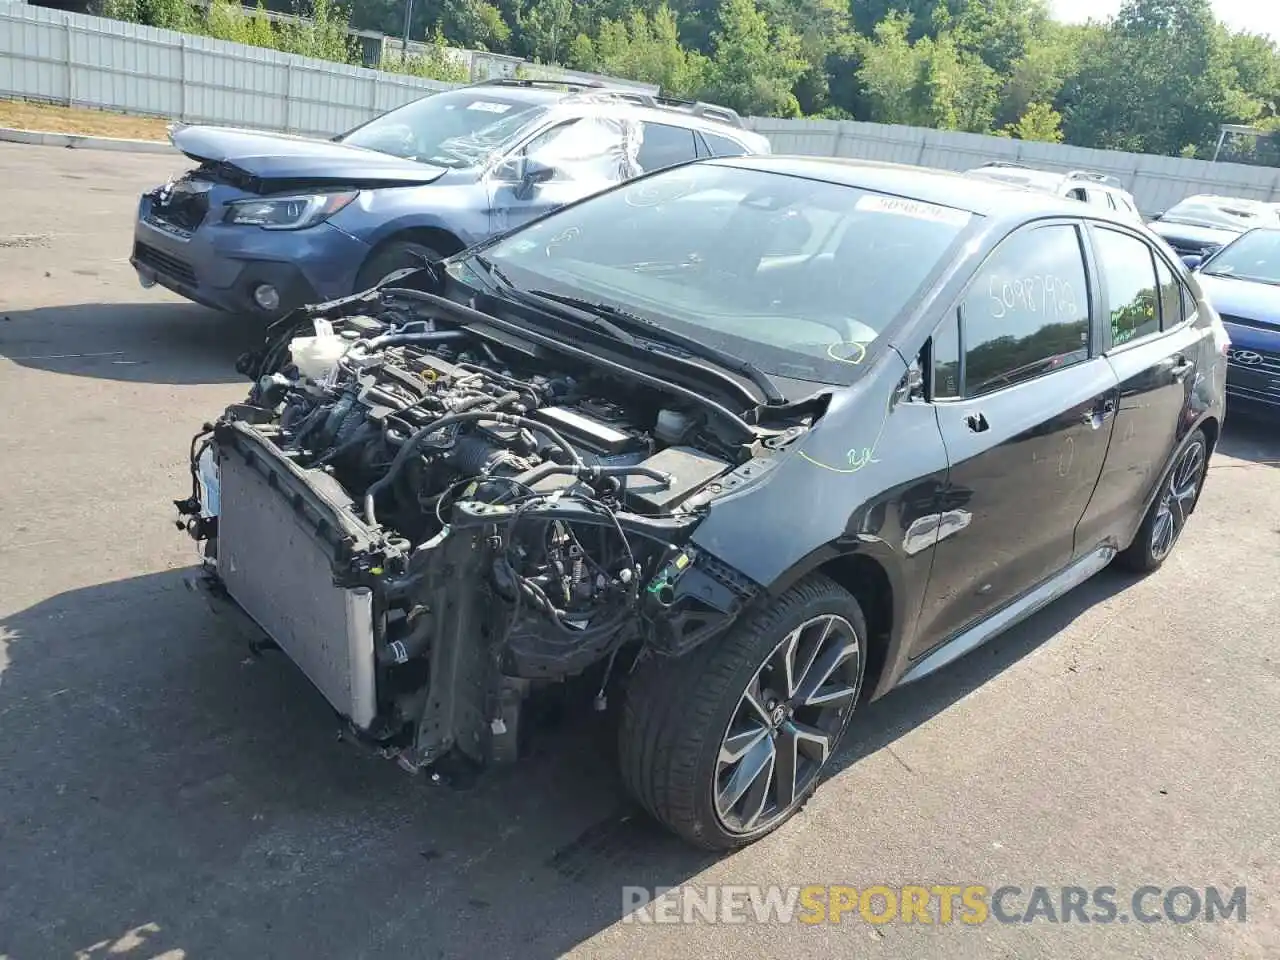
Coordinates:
(1098, 189)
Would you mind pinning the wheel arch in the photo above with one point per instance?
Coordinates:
(1212, 431)
(871, 571)
(438, 238)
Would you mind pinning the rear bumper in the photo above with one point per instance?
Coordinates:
(219, 265)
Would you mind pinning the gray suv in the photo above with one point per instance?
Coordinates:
(267, 222)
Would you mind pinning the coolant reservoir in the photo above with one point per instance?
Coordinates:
(315, 356)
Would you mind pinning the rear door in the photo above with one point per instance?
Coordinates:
(1153, 343)
(1024, 404)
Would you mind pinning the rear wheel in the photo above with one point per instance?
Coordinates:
(1171, 509)
(725, 745)
(396, 255)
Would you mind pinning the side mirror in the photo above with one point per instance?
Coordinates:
(1193, 261)
(526, 174)
(535, 172)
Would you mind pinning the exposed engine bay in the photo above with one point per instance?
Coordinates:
(434, 516)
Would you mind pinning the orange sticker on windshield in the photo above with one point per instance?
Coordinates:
(879, 203)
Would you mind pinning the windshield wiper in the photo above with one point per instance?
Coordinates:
(612, 319)
(553, 303)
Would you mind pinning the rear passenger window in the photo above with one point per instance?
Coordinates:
(1170, 296)
(1128, 275)
(663, 146)
(723, 146)
(1027, 312)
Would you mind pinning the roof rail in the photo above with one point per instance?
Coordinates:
(694, 108)
(540, 82)
(1005, 163)
(1095, 177)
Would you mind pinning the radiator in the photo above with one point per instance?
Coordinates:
(279, 572)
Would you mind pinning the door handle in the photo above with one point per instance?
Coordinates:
(977, 422)
(1097, 415)
(1181, 367)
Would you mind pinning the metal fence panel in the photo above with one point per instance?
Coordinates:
(1156, 182)
(74, 59)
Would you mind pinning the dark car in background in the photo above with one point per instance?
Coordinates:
(267, 222)
(1242, 281)
(1201, 224)
(742, 444)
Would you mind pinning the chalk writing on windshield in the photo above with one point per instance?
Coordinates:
(1044, 294)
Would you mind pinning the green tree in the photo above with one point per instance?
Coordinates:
(1160, 79)
(644, 48)
(1039, 74)
(890, 73)
(169, 15)
(754, 68)
(320, 31)
(1039, 122)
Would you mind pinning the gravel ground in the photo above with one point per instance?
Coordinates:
(165, 794)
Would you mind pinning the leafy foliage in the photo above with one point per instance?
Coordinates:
(1159, 78)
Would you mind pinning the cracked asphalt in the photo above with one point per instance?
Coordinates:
(165, 794)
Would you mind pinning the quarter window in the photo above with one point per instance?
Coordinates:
(664, 146)
(1027, 312)
(1128, 271)
(723, 146)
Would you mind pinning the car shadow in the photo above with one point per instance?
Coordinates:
(164, 785)
(1251, 436)
(177, 343)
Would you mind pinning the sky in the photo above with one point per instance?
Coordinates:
(1256, 16)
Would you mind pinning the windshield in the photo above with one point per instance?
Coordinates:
(1225, 214)
(458, 128)
(797, 276)
(1254, 256)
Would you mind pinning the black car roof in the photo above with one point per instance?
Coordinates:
(986, 197)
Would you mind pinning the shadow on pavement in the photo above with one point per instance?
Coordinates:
(178, 343)
(162, 786)
(1250, 436)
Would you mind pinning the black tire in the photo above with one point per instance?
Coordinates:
(1171, 509)
(393, 256)
(679, 711)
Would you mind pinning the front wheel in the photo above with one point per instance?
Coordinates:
(396, 255)
(1172, 508)
(726, 744)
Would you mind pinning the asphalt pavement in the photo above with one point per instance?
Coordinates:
(164, 793)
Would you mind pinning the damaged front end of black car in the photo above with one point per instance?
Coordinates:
(436, 514)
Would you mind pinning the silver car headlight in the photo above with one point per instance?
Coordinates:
(288, 213)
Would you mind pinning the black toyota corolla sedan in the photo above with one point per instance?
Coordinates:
(733, 448)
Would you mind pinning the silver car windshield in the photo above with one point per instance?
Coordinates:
(1207, 212)
(457, 128)
(798, 276)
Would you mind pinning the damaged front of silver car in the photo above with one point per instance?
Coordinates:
(435, 512)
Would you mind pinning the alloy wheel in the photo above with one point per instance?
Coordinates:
(1178, 500)
(786, 724)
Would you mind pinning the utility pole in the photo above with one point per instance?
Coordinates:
(408, 19)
